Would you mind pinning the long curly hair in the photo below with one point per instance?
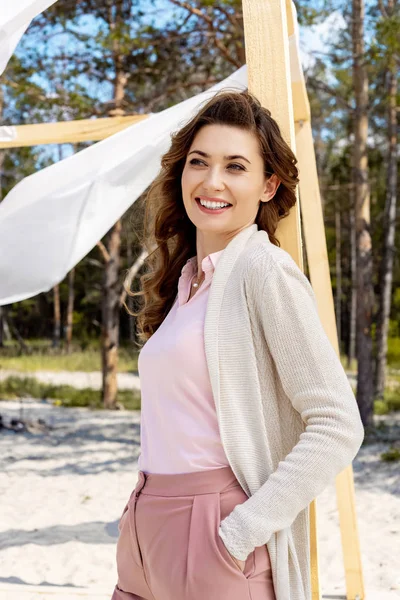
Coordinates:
(168, 235)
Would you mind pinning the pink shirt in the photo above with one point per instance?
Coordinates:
(179, 426)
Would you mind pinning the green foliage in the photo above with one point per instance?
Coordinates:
(43, 357)
(308, 14)
(391, 455)
(387, 34)
(390, 402)
(392, 398)
(393, 354)
(14, 387)
(380, 407)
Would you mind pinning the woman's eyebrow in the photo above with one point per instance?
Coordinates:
(230, 157)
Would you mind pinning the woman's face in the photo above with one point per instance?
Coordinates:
(224, 164)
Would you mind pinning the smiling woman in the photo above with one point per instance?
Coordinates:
(227, 171)
(247, 413)
(223, 177)
(232, 151)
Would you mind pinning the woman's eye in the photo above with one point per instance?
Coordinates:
(201, 163)
(237, 167)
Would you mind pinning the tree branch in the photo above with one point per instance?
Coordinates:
(383, 9)
(104, 251)
(149, 106)
(233, 19)
(323, 87)
(225, 52)
(193, 10)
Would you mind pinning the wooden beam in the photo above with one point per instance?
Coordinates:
(317, 258)
(268, 65)
(345, 497)
(301, 105)
(314, 230)
(68, 132)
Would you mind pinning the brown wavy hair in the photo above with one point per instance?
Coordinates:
(168, 235)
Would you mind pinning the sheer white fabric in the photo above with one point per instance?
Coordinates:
(50, 220)
(53, 218)
(15, 18)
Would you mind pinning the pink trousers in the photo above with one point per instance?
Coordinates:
(169, 547)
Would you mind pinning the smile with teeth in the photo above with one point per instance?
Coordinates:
(212, 205)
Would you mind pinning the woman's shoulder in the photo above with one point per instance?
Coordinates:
(261, 255)
(265, 263)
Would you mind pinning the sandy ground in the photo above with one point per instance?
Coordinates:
(82, 379)
(78, 379)
(62, 493)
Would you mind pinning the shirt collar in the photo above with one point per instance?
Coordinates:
(208, 264)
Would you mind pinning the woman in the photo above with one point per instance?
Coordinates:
(247, 414)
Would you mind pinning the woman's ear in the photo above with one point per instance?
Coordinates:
(270, 189)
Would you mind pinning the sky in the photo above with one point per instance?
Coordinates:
(312, 40)
(316, 39)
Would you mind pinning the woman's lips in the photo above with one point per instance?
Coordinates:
(210, 211)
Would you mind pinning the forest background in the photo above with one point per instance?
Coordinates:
(85, 59)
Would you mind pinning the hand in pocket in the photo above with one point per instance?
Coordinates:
(240, 563)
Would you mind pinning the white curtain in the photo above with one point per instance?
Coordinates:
(52, 219)
(15, 16)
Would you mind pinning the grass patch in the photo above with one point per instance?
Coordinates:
(352, 368)
(64, 395)
(390, 402)
(391, 455)
(47, 359)
(392, 398)
(380, 407)
(393, 354)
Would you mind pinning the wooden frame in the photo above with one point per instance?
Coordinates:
(269, 25)
(68, 132)
(268, 28)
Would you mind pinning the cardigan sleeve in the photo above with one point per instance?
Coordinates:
(316, 384)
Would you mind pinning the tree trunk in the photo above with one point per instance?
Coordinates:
(6, 327)
(112, 286)
(14, 331)
(338, 299)
(353, 299)
(365, 297)
(129, 301)
(57, 317)
(386, 276)
(1, 327)
(110, 318)
(70, 309)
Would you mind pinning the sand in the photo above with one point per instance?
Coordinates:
(62, 493)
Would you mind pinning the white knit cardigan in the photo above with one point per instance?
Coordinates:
(288, 418)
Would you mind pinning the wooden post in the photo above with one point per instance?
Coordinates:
(314, 230)
(68, 132)
(268, 63)
(267, 57)
(317, 258)
(268, 27)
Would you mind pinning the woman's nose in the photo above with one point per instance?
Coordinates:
(213, 180)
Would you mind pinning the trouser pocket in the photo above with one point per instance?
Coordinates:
(225, 503)
(128, 544)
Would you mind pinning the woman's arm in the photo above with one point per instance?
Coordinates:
(315, 382)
